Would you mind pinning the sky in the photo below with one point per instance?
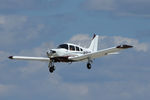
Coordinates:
(31, 27)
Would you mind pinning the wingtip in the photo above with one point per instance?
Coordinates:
(124, 46)
(10, 57)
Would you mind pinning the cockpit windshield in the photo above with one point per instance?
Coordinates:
(65, 46)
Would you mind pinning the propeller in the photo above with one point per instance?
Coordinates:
(50, 52)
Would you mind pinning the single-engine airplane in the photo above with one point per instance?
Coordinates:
(69, 52)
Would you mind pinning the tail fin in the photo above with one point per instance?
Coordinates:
(94, 43)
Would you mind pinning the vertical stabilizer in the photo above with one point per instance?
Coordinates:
(94, 43)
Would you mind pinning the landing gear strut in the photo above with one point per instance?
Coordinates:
(51, 67)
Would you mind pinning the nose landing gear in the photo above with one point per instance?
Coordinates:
(51, 67)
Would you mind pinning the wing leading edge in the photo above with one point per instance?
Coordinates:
(100, 53)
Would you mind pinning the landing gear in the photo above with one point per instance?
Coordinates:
(51, 67)
(88, 65)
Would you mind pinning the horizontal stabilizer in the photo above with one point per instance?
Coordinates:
(124, 46)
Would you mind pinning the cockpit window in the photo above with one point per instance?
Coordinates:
(72, 48)
(65, 46)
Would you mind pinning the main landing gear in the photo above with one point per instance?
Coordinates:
(51, 67)
(89, 64)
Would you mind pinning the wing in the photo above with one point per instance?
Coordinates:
(100, 53)
(29, 58)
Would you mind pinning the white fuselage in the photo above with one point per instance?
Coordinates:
(68, 50)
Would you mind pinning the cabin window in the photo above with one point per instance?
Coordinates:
(72, 48)
(77, 49)
(81, 49)
(65, 46)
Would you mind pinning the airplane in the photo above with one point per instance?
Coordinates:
(68, 53)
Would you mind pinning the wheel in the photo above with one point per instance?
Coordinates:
(88, 65)
(51, 69)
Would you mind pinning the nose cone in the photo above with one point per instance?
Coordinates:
(51, 52)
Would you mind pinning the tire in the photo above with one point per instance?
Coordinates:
(88, 65)
(51, 69)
